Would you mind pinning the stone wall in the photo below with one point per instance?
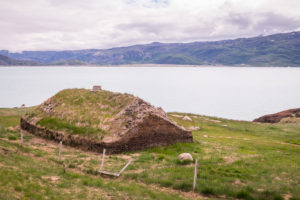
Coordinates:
(152, 131)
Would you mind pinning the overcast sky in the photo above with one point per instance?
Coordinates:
(78, 24)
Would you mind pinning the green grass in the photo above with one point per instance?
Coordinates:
(58, 124)
(236, 159)
(81, 112)
(23, 177)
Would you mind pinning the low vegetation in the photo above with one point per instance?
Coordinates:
(80, 111)
(237, 160)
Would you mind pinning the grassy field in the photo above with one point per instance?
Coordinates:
(237, 160)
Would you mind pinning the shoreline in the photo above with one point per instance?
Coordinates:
(144, 66)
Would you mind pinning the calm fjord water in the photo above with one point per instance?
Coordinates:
(229, 92)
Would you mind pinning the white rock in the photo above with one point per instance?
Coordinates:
(185, 156)
(194, 128)
(187, 118)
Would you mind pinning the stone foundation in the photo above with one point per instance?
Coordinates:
(153, 131)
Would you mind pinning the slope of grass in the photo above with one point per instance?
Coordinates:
(81, 112)
(58, 124)
(237, 159)
(32, 171)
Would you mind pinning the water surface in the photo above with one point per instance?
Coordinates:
(230, 92)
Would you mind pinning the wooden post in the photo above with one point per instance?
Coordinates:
(122, 170)
(195, 175)
(59, 154)
(102, 162)
(21, 137)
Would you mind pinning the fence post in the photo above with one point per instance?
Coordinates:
(195, 175)
(59, 154)
(21, 137)
(102, 161)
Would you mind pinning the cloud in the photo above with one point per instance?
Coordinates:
(276, 22)
(77, 24)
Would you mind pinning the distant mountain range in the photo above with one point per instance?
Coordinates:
(7, 61)
(274, 50)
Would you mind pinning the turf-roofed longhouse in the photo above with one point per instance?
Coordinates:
(103, 119)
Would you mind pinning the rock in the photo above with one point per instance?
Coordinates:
(187, 118)
(277, 117)
(48, 106)
(277, 178)
(194, 128)
(238, 182)
(185, 156)
(13, 129)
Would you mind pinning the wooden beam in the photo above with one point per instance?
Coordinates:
(109, 173)
(122, 170)
(102, 161)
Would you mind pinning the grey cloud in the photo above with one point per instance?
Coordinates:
(242, 20)
(271, 21)
(77, 24)
(147, 27)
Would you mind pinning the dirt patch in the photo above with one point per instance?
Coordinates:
(230, 159)
(238, 182)
(287, 196)
(51, 178)
(233, 158)
(39, 143)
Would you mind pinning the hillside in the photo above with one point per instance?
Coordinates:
(273, 50)
(237, 160)
(94, 120)
(7, 61)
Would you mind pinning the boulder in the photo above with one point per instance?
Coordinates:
(194, 128)
(277, 117)
(187, 118)
(185, 156)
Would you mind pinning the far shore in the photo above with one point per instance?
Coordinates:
(153, 65)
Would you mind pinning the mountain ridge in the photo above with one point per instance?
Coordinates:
(281, 49)
(7, 61)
